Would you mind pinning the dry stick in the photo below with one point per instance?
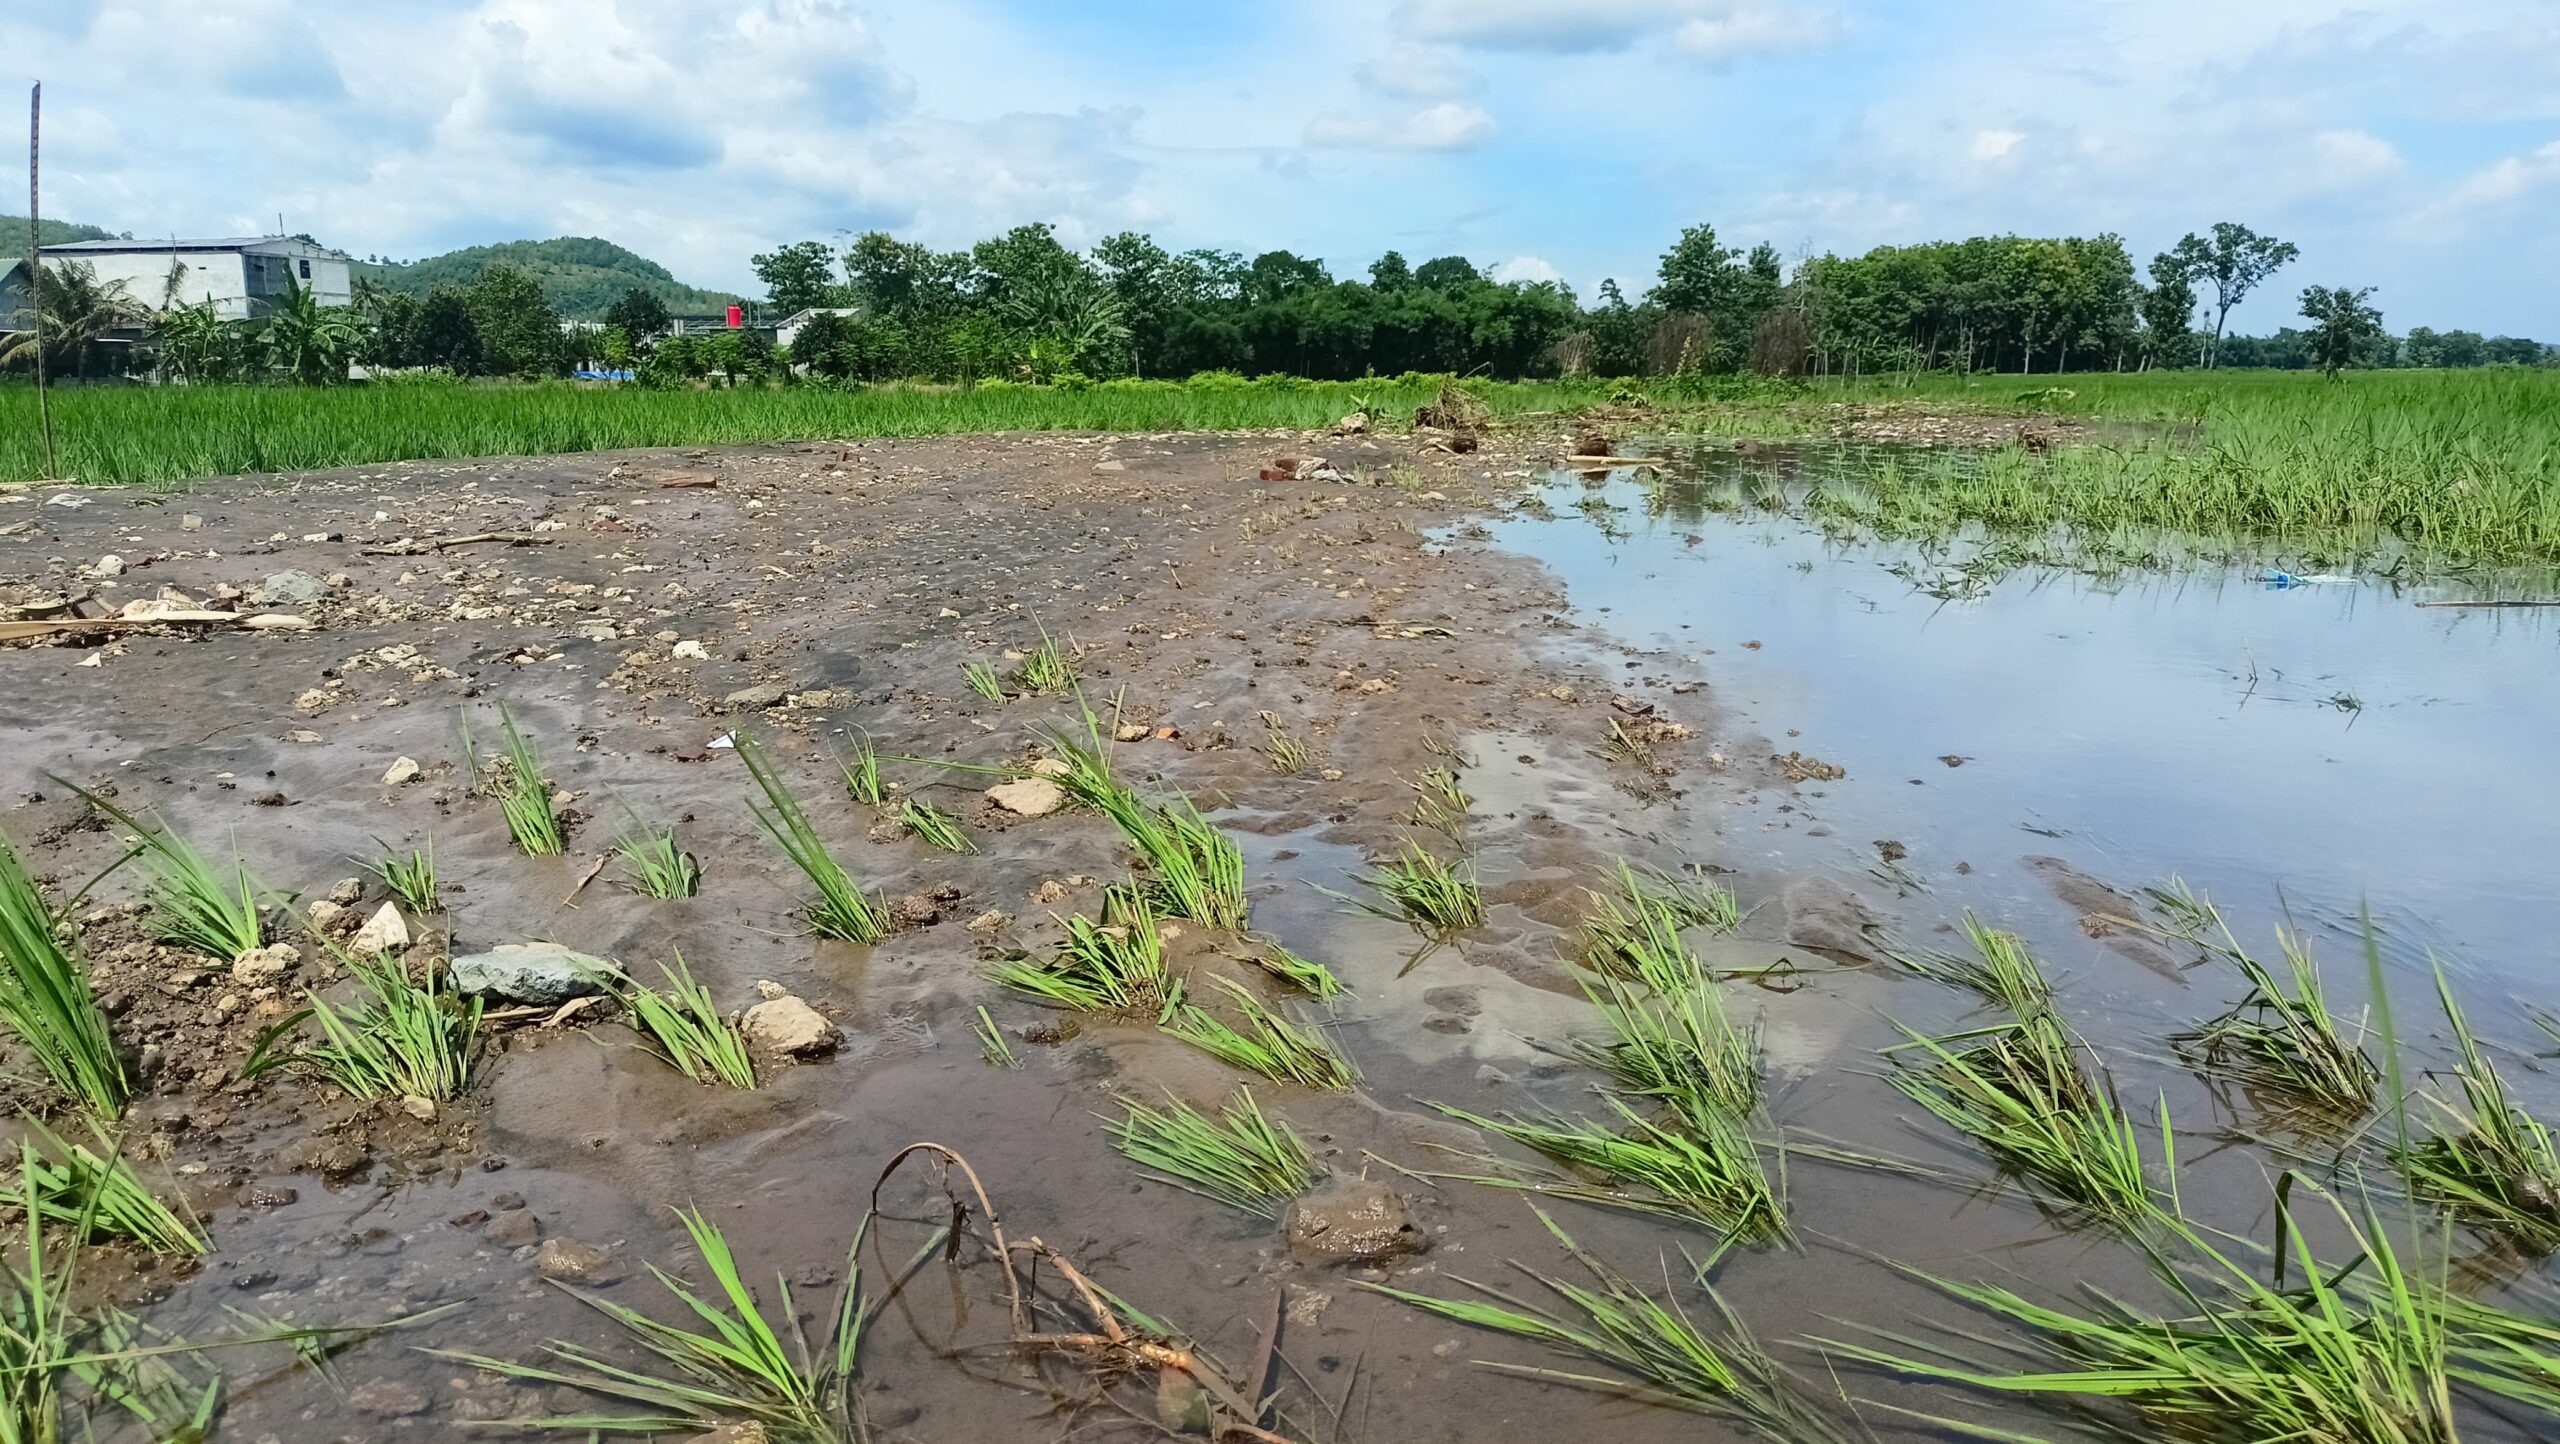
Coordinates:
(407, 548)
(1114, 1341)
(35, 264)
(2490, 604)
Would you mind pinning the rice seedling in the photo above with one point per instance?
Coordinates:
(2001, 971)
(1703, 1168)
(2286, 1043)
(2356, 1353)
(1114, 966)
(1719, 1370)
(1285, 753)
(1311, 978)
(1633, 749)
(193, 904)
(524, 797)
(1440, 802)
(1644, 905)
(862, 774)
(1046, 672)
(1242, 1158)
(402, 1039)
(411, 879)
(2019, 1090)
(1437, 897)
(983, 680)
(685, 1028)
(46, 999)
(733, 1365)
(992, 1044)
(1680, 1047)
(2488, 1162)
(1268, 1044)
(2189, 913)
(936, 827)
(654, 866)
(1194, 870)
(97, 1195)
(841, 910)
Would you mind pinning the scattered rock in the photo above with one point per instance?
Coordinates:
(1131, 732)
(769, 694)
(347, 891)
(190, 522)
(917, 910)
(990, 921)
(1796, 767)
(1352, 1220)
(571, 1262)
(109, 565)
(385, 932)
(513, 1228)
(388, 1398)
(403, 770)
(419, 1107)
(326, 917)
(690, 652)
(279, 622)
(260, 967)
(1110, 465)
(290, 588)
(544, 974)
(1052, 768)
(788, 1026)
(1028, 796)
(267, 1195)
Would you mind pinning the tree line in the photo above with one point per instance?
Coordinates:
(1025, 307)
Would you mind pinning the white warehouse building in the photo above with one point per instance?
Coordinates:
(241, 276)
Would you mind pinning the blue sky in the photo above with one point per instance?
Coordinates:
(2412, 145)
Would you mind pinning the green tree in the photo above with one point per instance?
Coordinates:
(640, 314)
(447, 336)
(518, 332)
(2235, 260)
(78, 311)
(1446, 273)
(1697, 273)
(308, 342)
(2344, 325)
(197, 343)
(799, 276)
(2169, 312)
(1390, 273)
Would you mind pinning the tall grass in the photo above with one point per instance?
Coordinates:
(123, 434)
(46, 1000)
(685, 1028)
(401, 1039)
(96, 1194)
(2487, 1160)
(195, 904)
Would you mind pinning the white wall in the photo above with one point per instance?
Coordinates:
(215, 276)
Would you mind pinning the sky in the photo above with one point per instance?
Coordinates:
(2409, 145)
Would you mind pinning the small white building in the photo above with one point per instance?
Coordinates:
(787, 333)
(241, 276)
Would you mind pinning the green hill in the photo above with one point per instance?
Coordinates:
(13, 234)
(580, 274)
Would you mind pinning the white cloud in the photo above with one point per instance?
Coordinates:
(1416, 72)
(1995, 144)
(1715, 30)
(1527, 268)
(1747, 29)
(2487, 192)
(1450, 125)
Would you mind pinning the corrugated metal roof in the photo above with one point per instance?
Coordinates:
(145, 247)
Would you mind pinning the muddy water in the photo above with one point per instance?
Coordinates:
(2098, 749)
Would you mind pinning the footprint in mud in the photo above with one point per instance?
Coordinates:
(1454, 1010)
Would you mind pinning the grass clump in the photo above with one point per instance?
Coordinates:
(2488, 1162)
(402, 1039)
(983, 680)
(1268, 1044)
(1286, 755)
(654, 866)
(1242, 1158)
(1436, 896)
(841, 911)
(524, 797)
(725, 1362)
(1114, 966)
(992, 1044)
(1637, 922)
(2356, 1353)
(1047, 672)
(1307, 976)
(1441, 802)
(936, 827)
(685, 1028)
(1194, 870)
(2000, 972)
(46, 1000)
(2019, 1090)
(1719, 1370)
(1703, 1167)
(862, 774)
(194, 904)
(411, 879)
(96, 1195)
(1679, 1047)
(2286, 1042)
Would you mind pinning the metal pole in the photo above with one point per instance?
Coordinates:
(35, 265)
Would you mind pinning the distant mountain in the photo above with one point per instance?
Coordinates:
(580, 274)
(13, 234)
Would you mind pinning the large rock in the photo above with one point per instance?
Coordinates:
(1028, 796)
(291, 588)
(539, 973)
(787, 1026)
(384, 932)
(1353, 1220)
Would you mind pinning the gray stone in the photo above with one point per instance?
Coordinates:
(1352, 1220)
(572, 1262)
(1028, 796)
(292, 587)
(539, 973)
(389, 1398)
(513, 1228)
(1822, 913)
(769, 694)
(788, 1026)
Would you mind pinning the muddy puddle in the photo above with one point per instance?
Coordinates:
(1862, 764)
